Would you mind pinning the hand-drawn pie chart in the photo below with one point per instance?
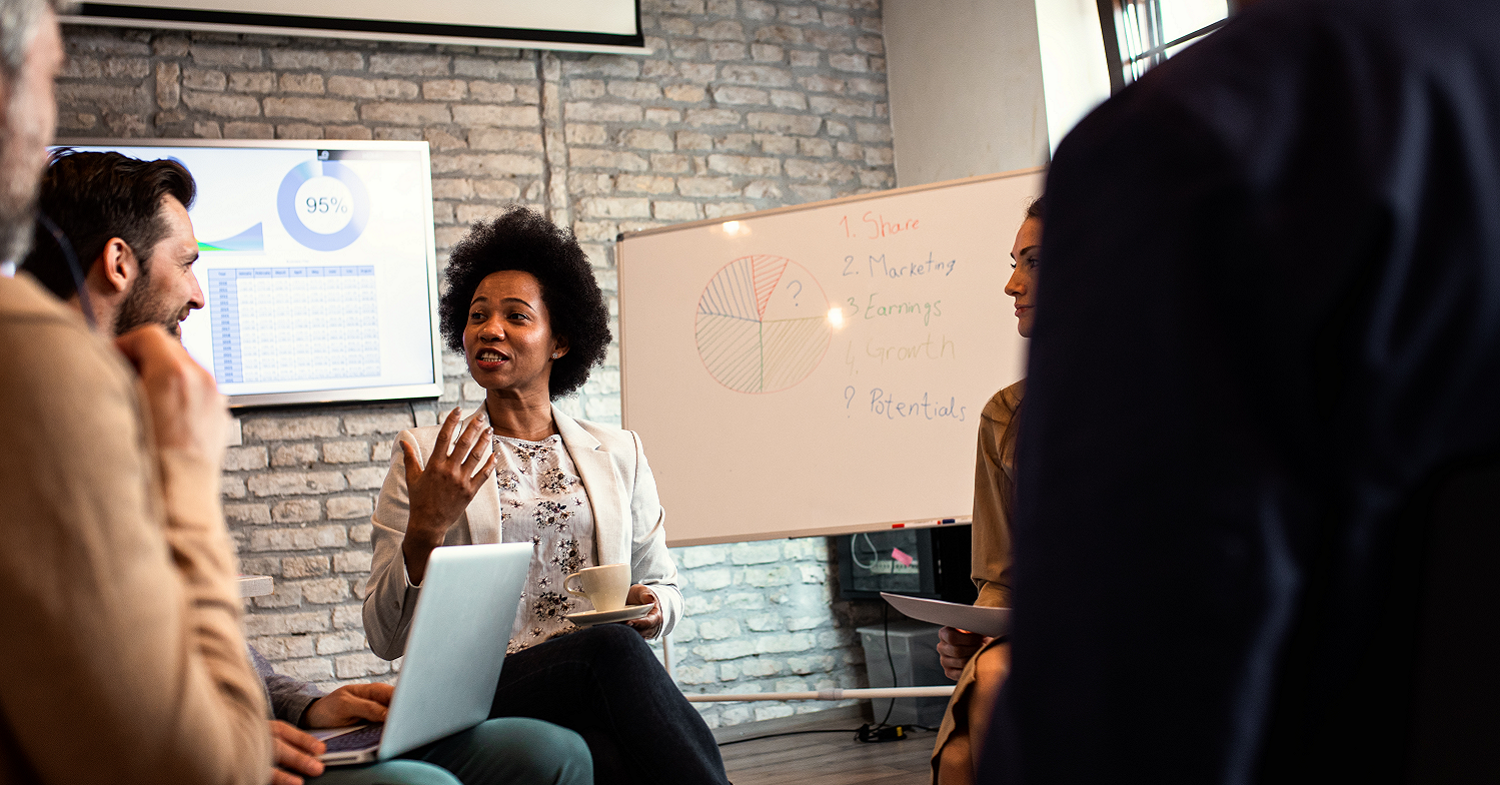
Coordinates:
(762, 324)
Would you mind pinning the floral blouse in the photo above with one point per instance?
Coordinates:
(542, 502)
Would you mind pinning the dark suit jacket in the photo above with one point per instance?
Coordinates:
(1269, 318)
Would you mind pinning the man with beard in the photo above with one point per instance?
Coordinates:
(128, 221)
(123, 660)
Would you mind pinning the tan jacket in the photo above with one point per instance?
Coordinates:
(991, 531)
(629, 524)
(123, 660)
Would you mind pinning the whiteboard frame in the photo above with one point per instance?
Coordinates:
(957, 517)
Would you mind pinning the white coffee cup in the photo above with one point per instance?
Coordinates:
(604, 587)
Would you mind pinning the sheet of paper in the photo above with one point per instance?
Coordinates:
(993, 622)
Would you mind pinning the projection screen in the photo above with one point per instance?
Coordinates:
(574, 25)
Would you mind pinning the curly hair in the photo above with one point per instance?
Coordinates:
(524, 240)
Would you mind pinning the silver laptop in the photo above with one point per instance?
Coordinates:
(459, 631)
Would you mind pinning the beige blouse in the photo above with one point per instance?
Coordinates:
(991, 530)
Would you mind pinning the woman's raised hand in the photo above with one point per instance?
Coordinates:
(441, 491)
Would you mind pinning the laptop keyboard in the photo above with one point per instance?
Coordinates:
(367, 736)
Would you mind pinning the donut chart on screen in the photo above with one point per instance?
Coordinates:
(762, 324)
(323, 205)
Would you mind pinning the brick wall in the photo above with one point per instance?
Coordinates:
(743, 105)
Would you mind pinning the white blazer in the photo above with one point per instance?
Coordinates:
(628, 523)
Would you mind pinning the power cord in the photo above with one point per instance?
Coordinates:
(882, 731)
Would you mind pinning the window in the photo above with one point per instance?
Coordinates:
(1140, 34)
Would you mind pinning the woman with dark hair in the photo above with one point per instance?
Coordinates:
(979, 664)
(523, 308)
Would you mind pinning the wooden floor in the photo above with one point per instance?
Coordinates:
(829, 759)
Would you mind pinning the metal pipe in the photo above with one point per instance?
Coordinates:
(829, 695)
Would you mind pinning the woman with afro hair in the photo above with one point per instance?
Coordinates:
(523, 308)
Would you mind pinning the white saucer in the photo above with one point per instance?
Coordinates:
(628, 613)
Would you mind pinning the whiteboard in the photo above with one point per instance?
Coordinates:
(820, 369)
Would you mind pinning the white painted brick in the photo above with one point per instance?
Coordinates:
(506, 139)
(310, 669)
(360, 664)
(362, 87)
(663, 116)
(306, 539)
(410, 64)
(222, 104)
(353, 561)
(718, 629)
(676, 211)
(346, 452)
(645, 184)
(286, 428)
(232, 488)
(699, 556)
(848, 107)
(340, 642)
(258, 514)
(634, 91)
(286, 623)
(725, 650)
(237, 56)
(504, 116)
(802, 125)
(592, 112)
(709, 580)
(772, 710)
(721, 209)
(346, 507)
(348, 617)
(607, 159)
(727, 50)
(586, 134)
(294, 455)
(755, 552)
(803, 59)
(285, 595)
(377, 422)
(312, 60)
(238, 459)
(764, 622)
(745, 601)
(780, 575)
(732, 95)
(304, 566)
(283, 483)
(487, 165)
(252, 81)
(323, 591)
(405, 113)
(684, 93)
(297, 511)
(284, 647)
(366, 478)
(604, 65)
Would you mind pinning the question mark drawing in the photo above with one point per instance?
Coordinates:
(795, 304)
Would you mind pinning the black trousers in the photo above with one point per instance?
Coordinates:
(604, 683)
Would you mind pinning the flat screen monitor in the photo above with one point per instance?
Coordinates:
(317, 264)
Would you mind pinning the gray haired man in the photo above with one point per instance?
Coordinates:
(123, 660)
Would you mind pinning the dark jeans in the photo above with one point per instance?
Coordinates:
(605, 683)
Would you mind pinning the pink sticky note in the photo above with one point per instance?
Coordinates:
(900, 556)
